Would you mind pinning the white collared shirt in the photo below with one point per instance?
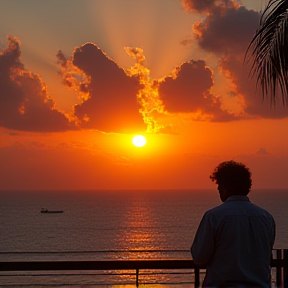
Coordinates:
(234, 240)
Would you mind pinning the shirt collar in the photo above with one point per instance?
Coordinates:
(237, 198)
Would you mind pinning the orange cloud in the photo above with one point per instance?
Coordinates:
(208, 5)
(73, 77)
(148, 95)
(198, 5)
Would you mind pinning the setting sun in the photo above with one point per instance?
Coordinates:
(139, 140)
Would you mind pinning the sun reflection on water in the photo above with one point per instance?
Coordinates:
(138, 237)
(141, 241)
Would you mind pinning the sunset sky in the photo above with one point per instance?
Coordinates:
(80, 78)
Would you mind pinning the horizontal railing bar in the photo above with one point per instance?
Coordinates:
(167, 273)
(166, 283)
(108, 265)
(71, 275)
(63, 285)
(96, 265)
(96, 274)
(99, 251)
(95, 251)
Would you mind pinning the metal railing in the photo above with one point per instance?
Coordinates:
(279, 262)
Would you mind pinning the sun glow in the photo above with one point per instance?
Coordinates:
(139, 141)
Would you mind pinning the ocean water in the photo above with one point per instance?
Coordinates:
(100, 225)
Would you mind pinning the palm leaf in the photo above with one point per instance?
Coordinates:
(269, 51)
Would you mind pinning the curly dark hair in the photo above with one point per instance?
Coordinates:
(233, 175)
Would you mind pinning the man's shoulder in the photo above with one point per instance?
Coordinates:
(236, 208)
(261, 210)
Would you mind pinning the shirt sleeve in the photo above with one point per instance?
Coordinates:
(202, 248)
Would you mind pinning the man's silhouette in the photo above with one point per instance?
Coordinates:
(234, 240)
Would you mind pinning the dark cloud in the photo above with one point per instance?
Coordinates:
(112, 105)
(107, 95)
(24, 101)
(254, 106)
(189, 92)
(227, 30)
(113, 100)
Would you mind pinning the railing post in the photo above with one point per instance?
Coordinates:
(137, 276)
(285, 257)
(278, 269)
(197, 277)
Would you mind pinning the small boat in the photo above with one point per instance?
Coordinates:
(51, 211)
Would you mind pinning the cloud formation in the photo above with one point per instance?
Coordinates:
(112, 104)
(111, 99)
(254, 106)
(227, 29)
(24, 100)
(107, 96)
(189, 92)
(226, 32)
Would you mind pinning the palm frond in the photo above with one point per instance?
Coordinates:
(269, 51)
